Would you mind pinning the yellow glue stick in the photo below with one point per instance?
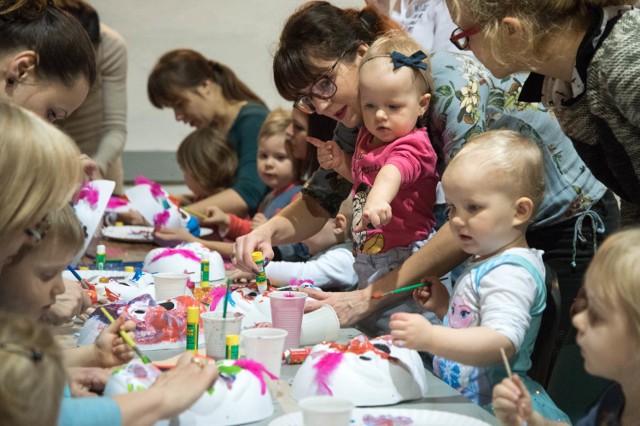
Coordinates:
(261, 276)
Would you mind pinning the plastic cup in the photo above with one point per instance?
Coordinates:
(169, 285)
(321, 325)
(265, 345)
(216, 329)
(326, 410)
(287, 309)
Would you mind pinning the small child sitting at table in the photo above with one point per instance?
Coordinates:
(331, 264)
(34, 279)
(608, 335)
(493, 187)
(31, 372)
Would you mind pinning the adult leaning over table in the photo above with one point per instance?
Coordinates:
(203, 92)
(316, 64)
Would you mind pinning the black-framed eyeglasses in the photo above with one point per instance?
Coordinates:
(34, 354)
(322, 88)
(38, 232)
(460, 37)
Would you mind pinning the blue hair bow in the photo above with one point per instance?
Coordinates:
(413, 61)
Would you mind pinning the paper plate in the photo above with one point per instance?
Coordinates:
(129, 233)
(402, 416)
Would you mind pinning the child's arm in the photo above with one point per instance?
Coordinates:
(477, 346)
(512, 404)
(108, 350)
(433, 297)
(331, 156)
(377, 209)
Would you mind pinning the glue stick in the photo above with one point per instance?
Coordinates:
(193, 324)
(204, 271)
(232, 345)
(101, 253)
(261, 276)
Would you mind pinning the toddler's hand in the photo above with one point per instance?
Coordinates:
(433, 297)
(512, 402)
(87, 381)
(110, 347)
(257, 220)
(132, 217)
(411, 330)
(375, 214)
(215, 216)
(174, 234)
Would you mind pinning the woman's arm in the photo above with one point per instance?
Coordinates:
(228, 200)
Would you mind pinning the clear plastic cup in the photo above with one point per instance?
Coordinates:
(264, 345)
(287, 309)
(216, 329)
(326, 410)
(169, 285)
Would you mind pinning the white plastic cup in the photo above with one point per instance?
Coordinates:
(216, 329)
(287, 309)
(265, 345)
(326, 410)
(321, 325)
(169, 285)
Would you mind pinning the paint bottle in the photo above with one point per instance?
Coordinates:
(232, 346)
(101, 254)
(204, 271)
(193, 325)
(261, 276)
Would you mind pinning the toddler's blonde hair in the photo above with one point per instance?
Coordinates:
(39, 168)
(514, 161)
(275, 125)
(32, 375)
(613, 276)
(206, 154)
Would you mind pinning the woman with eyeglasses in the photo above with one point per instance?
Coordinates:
(202, 92)
(316, 65)
(584, 62)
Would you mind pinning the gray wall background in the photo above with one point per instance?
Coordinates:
(239, 33)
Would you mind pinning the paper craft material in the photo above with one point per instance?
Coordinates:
(170, 285)
(77, 276)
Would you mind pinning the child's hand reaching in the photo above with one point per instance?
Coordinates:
(257, 220)
(375, 214)
(411, 330)
(433, 297)
(512, 403)
(110, 348)
(173, 235)
(332, 157)
(217, 218)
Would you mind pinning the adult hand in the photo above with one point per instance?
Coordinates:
(257, 240)
(90, 168)
(110, 348)
(258, 219)
(351, 306)
(73, 302)
(132, 217)
(411, 330)
(433, 297)
(512, 403)
(242, 277)
(185, 384)
(173, 235)
(87, 381)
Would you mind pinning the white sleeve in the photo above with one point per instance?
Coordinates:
(507, 294)
(332, 268)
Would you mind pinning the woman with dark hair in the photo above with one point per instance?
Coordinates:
(316, 65)
(202, 92)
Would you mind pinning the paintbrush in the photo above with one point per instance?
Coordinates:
(127, 338)
(506, 362)
(195, 213)
(82, 282)
(398, 290)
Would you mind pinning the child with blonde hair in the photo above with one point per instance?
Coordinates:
(31, 372)
(208, 163)
(608, 335)
(493, 187)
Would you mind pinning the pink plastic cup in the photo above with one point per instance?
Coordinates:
(287, 308)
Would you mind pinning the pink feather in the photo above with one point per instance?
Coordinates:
(217, 294)
(187, 254)
(90, 194)
(115, 202)
(161, 218)
(257, 370)
(156, 188)
(325, 368)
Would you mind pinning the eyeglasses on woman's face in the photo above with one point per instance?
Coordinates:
(460, 37)
(322, 88)
(38, 232)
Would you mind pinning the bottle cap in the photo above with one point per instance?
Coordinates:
(257, 256)
(232, 339)
(103, 280)
(193, 315)
(101, 248)
(119, 223)
(129, 269)
(84, 268)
